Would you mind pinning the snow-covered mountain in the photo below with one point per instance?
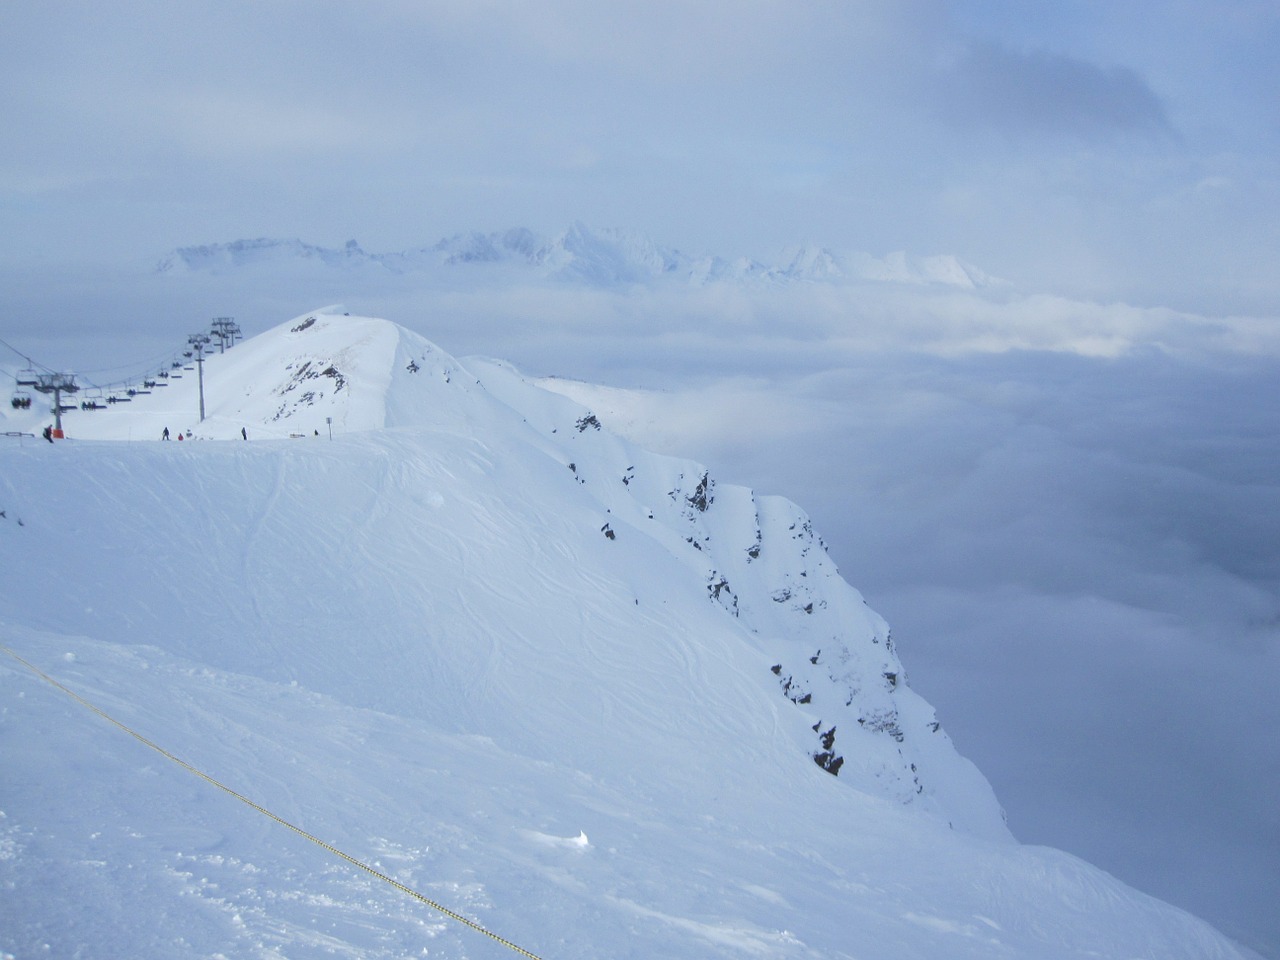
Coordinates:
(595, 698)
(586, 255)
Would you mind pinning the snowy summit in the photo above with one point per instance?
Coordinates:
(594, 699)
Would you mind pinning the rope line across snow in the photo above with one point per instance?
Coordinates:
(267, 813)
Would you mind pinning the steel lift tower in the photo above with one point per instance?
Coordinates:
(198, 342)
(226, 330)
(57, 384)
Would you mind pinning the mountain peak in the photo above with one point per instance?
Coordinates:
(590, 695)
(756, 557)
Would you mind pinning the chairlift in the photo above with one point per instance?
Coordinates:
(186, 353)
(175, 365)
(28, 377)
(91, 404)
(148, 384)
(21, 400)
(188, 368)
(66, 407)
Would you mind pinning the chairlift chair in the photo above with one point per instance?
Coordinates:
(28, 377)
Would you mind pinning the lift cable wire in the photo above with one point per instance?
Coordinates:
(267, 813)
(151, 364)
(30, 362)
(163, 361)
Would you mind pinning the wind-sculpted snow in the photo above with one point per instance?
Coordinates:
(761, 561)
(568, 687)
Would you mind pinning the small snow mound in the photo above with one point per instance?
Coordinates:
(580, 842)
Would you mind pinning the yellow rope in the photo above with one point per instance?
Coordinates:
(267, 813)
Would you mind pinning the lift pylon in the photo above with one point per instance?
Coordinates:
(56, 384)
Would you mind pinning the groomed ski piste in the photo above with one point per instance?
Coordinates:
(594, 699)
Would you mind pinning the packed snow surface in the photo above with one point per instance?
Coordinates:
(595, 699)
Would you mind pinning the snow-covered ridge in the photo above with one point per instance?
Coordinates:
(590, 695)
(585, 255)
(756, 557)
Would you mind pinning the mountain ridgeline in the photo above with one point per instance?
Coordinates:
(755, 560)
(598, 698)
(581, 254)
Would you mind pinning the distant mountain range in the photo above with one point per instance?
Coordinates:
(586, 255)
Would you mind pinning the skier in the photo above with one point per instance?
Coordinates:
(244, 433)
(165, 435)
(179, 436)
(48, 434)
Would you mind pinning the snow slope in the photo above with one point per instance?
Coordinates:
(567, 687)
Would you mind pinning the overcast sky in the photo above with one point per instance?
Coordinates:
(1110, 150)
(1075, 540)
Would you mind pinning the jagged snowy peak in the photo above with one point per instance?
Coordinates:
(599, 257)
(219, 257)
(586, 255)
(514, 244)
(590, 695)
(819, 264)
(606, 257)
